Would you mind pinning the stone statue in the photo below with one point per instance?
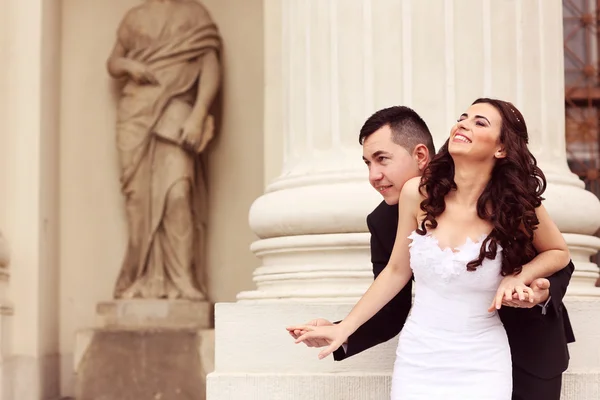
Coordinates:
(167, 52)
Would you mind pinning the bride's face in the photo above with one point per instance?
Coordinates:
(476, 135)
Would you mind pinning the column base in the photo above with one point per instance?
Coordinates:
(314, 242)
(583, 281)
(311, 268)
(576, 212)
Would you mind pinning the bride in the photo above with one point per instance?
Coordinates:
(473, 231)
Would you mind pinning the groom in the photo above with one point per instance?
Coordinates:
(397, 146)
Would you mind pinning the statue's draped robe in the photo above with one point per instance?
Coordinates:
(166, 230)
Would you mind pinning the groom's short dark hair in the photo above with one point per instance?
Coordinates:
(408, 128)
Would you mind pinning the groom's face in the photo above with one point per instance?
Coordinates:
(390, 165)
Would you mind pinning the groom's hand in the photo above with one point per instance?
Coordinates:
(297, 331)
(541, 292)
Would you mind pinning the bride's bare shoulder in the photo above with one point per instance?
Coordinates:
(411, 191)
(411, 197)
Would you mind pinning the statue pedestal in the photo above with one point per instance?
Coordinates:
(146, 349)
(138, 313)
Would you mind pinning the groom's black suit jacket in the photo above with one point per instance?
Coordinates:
(538, 342)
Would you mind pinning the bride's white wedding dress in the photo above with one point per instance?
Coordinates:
(451, 347)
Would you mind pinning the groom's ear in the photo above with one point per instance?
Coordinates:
(421, 156)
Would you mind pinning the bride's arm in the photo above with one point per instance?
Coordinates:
(553, 253)
(397, 272)
(390, 281)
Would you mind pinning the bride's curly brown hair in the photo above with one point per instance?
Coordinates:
(508, 201)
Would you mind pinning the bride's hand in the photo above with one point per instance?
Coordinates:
(509, 285)
(335, 335)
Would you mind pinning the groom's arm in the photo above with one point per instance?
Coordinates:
(558, 288)
(383, 326)
(388, 322)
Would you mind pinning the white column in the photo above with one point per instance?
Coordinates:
(30, 196)
(329, 65)
(523, 62)
(334, 63)
(323, 81)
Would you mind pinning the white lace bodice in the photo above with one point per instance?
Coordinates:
(447, 295)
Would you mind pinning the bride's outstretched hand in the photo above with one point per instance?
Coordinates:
(335, 335)
(511, 284)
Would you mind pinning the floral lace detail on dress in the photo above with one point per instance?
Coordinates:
(425, 251)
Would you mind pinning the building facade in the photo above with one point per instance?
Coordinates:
(288, 193)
